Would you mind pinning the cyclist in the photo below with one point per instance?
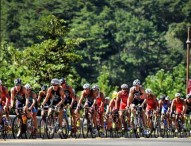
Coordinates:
(87, 94)
(4, 101)
(164, 108)
(75, 116)
(122, 98)
(56, 96)
(179, 106)
(41, 97)
(188, 104)
(112, 109)
(136, 97)
(151, 106)
(19, 93)
(32, 106)
(99, 104)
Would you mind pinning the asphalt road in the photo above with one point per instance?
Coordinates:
(99, 142)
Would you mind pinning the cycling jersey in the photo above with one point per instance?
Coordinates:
(4, 95)
(179, 106)
(89, 99)
(151, 105)
(137, 100)
(20, 97)
(55, 96)
(164, 107)
(67, 93)
(123, 96)
(99, 100)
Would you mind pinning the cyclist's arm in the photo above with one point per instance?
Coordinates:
(34, 100)
(12, 97)
(72, 96)
(81, 99)
(117, 100)
(143, 104)
(130, 99)
(184, 107)
(172, 106)
(62, 98)
(7, 98)
(39, 97)
(26, 97)
(47, 97)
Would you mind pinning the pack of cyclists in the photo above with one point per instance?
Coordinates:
(124, 104)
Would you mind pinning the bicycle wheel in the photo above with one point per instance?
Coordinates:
(30, 129)
(50, 127)
(42, 128)
(78, 129)
(16, 126)
(64, 133)
(85, 125)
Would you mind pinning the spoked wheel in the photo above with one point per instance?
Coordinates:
(42, 128)
(139, 132)
(65, 127)
(78, 129)
(85, 127)
(50, 127)
(30, 129)
(16, 126)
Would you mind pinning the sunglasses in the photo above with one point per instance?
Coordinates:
(54, 85)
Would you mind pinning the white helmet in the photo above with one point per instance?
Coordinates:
(148, 91)
(124, 86)
(86, 86)
(28, 86)
(55, 81)
(1, 82)
(177, 95)
(136, 82)
(95, 87)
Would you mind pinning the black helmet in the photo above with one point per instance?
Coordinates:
(44, 87)
(62, 81)
(18, 81)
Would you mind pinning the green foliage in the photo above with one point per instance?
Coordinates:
(76, 39)
(167, 83)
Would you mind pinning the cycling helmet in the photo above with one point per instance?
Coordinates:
(136, 82)
(18, 81)
(148, 91)
(44, 87)
(114, 94)
(62, 81)
(95, 87)
(86, 86)
(177, 95)
(124, 86)
(55, 81)
(167, 98)
(107, 98)
(1, 82)
(28, 86)
(162, 97)
(188, 96)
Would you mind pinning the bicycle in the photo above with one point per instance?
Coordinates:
(87, 123)
(138, 122)
(75, 130)
(42, 125)
(188, 124)
(22, 125)
(52, 125)
(3, 128)
(180, 131)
